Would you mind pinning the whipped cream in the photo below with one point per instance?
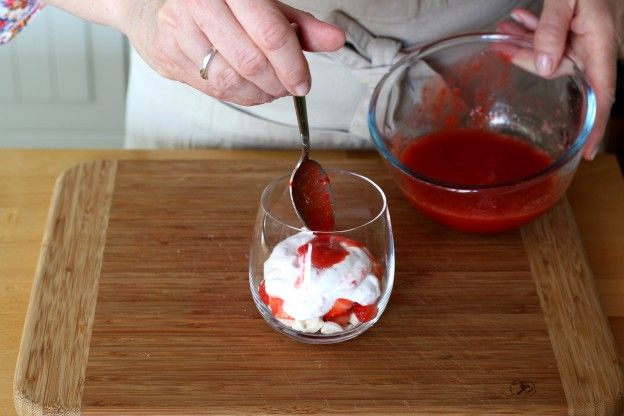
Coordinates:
(309, 292)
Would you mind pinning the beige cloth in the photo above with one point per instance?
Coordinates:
(163, 113)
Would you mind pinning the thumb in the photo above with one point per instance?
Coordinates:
(551, 35)
(314, 35)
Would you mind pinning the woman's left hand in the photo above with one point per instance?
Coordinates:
(588, 30)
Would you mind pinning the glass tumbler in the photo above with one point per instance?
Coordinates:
(312, 269)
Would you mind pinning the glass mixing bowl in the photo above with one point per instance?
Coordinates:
(443, 95)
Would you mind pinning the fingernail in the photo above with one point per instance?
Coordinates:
(302, 89)
(593, 153)
(516, 17)
(544, 64)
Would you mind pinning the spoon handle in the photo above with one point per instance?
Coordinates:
(304, 130)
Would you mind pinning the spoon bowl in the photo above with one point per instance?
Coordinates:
(310, 189)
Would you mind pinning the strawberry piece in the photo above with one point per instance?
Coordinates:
(276, 306)
(364, 313)
(341, 319)
(341, 307)
(262, 292)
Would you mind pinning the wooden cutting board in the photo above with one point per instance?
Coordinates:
(141, 305)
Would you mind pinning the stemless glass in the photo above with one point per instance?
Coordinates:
(362, 216)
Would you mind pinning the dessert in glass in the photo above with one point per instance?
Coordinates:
(323, 287)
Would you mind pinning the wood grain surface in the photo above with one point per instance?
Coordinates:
(566, 288)
(175, 330)
(51, 365)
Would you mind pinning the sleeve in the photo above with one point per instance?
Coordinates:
(14, 15)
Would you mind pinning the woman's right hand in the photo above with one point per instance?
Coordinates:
(259, 55)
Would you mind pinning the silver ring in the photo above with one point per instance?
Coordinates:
(203, 69)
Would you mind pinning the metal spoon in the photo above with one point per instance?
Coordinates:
(310, 190)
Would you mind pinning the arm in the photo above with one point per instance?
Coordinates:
(259, 58)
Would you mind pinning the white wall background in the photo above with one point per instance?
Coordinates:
(63, 84)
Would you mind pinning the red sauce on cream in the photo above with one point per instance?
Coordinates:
(326, 251)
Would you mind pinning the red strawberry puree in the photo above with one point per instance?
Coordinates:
(476, 157)
(455, 155)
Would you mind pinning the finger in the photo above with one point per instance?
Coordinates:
(602, 80)
(596, 46)
(195, 49)
(601, 73)
(170, 60)
(223, 82)
(274, 35)
(512, 28)
(525, 18)
(166, 57)
(191, 40)
(551, 35)
(222, 29)
(314, 35)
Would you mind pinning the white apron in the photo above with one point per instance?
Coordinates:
(161, 113)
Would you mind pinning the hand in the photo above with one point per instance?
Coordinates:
(259, 55)
(587, 30)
